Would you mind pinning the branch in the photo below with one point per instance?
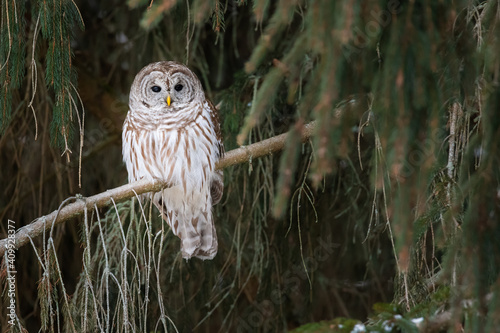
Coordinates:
(262, 148)
(122, 193)
(447, 320)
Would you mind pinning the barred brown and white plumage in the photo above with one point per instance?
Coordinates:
(172, 133)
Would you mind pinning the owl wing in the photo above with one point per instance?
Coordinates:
(217, 187)
(217, 183)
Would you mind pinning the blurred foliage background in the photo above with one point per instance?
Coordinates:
(389, 214)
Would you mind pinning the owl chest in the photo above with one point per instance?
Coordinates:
(179, 156)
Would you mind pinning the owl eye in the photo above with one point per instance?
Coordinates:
(156, 89)
(178, 87)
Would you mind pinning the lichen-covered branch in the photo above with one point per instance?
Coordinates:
(262, 148)
(122, 193)
(76, 208)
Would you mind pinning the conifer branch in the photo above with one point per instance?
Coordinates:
(447, 319)
(125, 192)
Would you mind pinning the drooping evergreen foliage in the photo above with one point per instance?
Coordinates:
(57, 20)
(12, 56)
(388, 216)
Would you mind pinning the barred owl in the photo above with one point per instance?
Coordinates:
(172, 133)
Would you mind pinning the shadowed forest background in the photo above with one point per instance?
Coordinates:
(385, 219)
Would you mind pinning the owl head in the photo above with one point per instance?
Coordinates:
(165, 87)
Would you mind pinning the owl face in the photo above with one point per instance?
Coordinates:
(164, 88)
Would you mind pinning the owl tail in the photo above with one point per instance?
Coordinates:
(205, 228)
(195, 230)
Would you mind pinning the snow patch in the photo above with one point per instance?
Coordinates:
(359, 328)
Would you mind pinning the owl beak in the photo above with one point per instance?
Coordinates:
(168, 100)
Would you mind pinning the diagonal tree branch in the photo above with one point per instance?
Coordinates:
(122, 193)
